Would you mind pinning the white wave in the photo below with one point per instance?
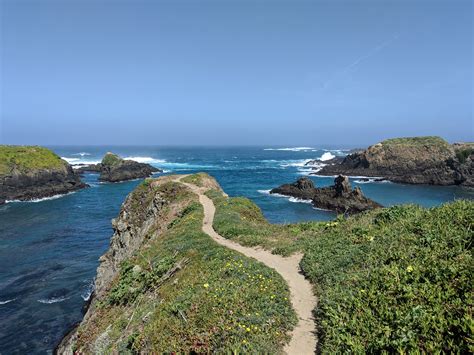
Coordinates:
(7, 301)
(291, 149)
(53, 300)
(327, 156)
(372, 181)
(89, 289)
(289, 198)
(299, 200)
(36, 200)
(147, 160)
(82, 154)
(307, 171)
(77, 161)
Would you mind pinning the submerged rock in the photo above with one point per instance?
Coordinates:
(340, 197)
(33, 172)
(115, 169)
(418, 160)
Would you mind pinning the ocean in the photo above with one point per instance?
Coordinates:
(49, 249)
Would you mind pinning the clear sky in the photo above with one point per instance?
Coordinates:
(235, 72)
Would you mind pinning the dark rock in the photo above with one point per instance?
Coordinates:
(420, 160)
(115, 169)
(340, 197)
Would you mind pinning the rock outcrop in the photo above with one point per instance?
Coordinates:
(32, 172)
(419, 160)
(340, 197)
(144, 216)
(115, 169)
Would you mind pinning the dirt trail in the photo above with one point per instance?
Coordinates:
(303, 339)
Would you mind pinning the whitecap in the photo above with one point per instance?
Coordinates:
(327, 156)
(82, 154)
(299, 200)
(78, 161)
(53, 300)
(147, 160)
(292, 149)
(88, 290)
(289, 198)
(7, 301)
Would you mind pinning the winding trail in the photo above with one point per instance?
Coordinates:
(303, 339)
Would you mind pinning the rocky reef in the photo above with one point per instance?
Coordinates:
(340, 197)
(418, 160)
(32, 172)
(115, 169)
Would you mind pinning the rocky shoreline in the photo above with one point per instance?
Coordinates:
(30, 173)
(340, 197)
(419, 160)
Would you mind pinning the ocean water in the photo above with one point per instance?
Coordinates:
(49, 249)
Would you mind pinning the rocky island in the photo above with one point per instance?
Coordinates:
(115, 169)
(340, 197)
(32, 172)
(417, 160)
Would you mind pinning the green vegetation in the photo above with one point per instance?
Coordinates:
(417, 141)
(196, 179)
(463, 154)
(111, 159)
(390, 280)
(183, 293)
(27, 158)
(396, 280)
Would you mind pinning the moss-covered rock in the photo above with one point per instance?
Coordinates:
(413, 160)
(113, 168)
(31, 172)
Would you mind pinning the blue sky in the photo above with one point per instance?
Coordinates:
(235, 72)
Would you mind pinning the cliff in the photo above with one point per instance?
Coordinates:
(164, 286)
(30, 172)
(418, 160)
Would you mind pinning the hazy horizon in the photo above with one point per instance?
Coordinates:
(234, 73)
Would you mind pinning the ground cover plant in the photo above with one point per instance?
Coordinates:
(391, 280)
(183, 293)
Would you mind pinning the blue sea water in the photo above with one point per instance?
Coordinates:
(49, 249)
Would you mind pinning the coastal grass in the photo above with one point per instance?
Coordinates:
(392, 280)
(184, 293)
(416, 142)
(27, 158)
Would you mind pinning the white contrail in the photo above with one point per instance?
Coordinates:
(359, 60)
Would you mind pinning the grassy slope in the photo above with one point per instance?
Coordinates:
(27, 158)
(397, 279)
(220, 300)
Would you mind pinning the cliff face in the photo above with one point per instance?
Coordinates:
(34, 172)
(144, 216)
(421, 160)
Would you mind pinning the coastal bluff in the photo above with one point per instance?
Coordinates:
(415, 160)
(33, 172)
(113, 168)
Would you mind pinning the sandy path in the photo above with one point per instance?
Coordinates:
(303, 339)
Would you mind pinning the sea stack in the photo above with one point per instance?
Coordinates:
(340, 197)
(115, 169)
(32, 172)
